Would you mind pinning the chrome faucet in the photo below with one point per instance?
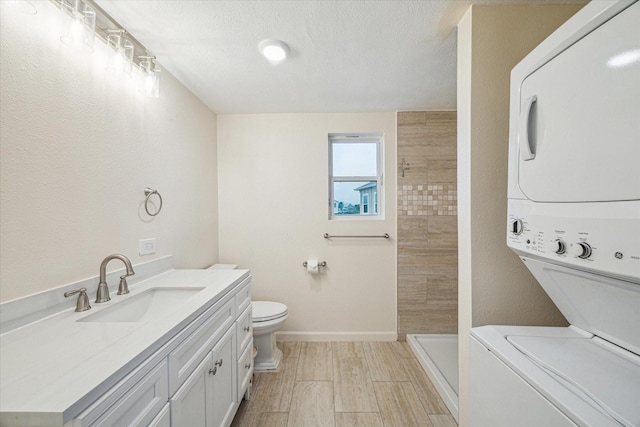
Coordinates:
(103, 290)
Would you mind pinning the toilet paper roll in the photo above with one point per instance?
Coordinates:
(312, 266)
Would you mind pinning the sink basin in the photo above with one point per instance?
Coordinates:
(144, 306)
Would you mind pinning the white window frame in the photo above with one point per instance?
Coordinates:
(350, 138)
(365, 204)
(375, 202)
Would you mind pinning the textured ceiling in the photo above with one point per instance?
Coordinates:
(346, 55)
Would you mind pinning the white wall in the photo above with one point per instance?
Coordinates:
(464, 208)
(273, 192)
(494, 286)
(78, 148)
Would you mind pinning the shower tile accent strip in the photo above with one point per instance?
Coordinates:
(439, 199)
(427, 223)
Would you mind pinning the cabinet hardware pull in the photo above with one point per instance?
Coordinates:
(246, 328)
(248, 366)
(213, 371)
(219, 363)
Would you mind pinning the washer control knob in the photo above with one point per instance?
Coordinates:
(516, 226)
(581, 250)
(558, 246)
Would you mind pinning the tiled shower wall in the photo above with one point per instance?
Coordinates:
(427, 223)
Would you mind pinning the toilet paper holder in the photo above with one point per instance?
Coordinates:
(320, 264)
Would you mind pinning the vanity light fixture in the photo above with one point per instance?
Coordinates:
(83, 17)
(80, 27)
(149, 76)
(120, 52)
(275, 51)
(23, 6)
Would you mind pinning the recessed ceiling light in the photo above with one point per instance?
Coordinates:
(275, 51)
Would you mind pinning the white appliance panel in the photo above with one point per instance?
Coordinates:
(554, 232)
(500, 398)
(508, 386)
(609, 379)
(574, 219)
(605, 307)
(583, 129)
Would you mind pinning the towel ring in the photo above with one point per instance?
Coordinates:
(150, 192)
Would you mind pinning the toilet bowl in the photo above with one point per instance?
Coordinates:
(268, 317)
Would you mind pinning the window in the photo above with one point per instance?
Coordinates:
(355, 175)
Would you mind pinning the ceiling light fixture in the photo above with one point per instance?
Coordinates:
(275, 51)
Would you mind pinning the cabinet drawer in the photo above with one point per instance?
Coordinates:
(138, 406)
(243, 297)
(186, 357)
(245, 370)
(244, 330)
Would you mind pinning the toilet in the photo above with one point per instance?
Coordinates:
(268, 317)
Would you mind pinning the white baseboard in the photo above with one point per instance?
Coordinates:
(337, 336)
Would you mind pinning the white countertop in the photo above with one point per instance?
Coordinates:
(53, 368)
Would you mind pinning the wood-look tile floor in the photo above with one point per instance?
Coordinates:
(344, 384)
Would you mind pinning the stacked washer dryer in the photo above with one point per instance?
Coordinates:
(574, 220)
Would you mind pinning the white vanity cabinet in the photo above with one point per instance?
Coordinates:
(244, 332)
(244, 342)
(163, 419)
(196, 379)
(223, 381)
(135, 401)
(208, 397)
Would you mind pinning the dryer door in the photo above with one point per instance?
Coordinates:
(579, 127)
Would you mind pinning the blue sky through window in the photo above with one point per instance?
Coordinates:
(354, 159)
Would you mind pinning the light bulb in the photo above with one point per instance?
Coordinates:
(81, 24)
(75, 29)
(274, 53)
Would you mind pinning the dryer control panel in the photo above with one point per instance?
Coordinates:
(576, 236)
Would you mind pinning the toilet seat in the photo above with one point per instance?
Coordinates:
(263, 311)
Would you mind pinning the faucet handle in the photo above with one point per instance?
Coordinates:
(123, 287)
(82, 304)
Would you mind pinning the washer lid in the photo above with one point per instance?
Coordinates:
(267, 310)
(601, 375)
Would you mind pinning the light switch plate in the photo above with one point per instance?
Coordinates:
(147, 246)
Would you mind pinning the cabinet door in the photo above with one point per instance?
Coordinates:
(189, 404)
(223, 381)
(163, 419)
(190, 352)
(245, 370)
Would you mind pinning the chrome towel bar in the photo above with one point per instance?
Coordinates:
(383, 236)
